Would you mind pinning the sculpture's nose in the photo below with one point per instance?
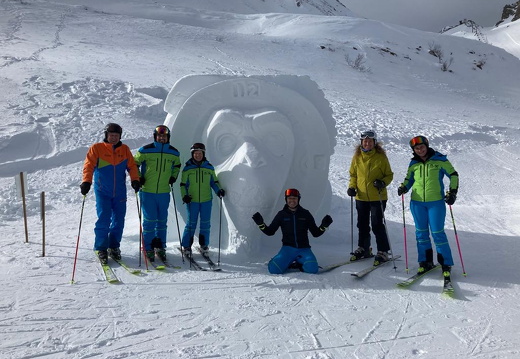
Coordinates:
(249, 155)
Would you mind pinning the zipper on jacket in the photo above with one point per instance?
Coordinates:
(114, 168)
(423, 174)
(159, 170)
(294, 230)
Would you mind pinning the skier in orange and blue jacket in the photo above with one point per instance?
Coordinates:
(106, 165)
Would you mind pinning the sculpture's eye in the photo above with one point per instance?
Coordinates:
(226, 144)
(273, 131)
(224, 134)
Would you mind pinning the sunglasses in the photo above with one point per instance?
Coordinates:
(368, 134)
(292, 192)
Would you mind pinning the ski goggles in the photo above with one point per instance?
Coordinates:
(292, 192)
(162, 130)
(367, 134)
(418, 140)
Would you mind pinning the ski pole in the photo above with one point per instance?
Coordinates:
(192, 230)
(77, 242)
(404, 233)
(457, 240)
(141, 236)
(384, 223)
(177, 221)
(219, 231)
(351, 225)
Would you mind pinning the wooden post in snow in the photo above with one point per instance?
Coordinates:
(24, 207)
(42, 201)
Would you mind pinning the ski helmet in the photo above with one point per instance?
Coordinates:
(113, 127)
(161, 130)
(368, 134)
(419, 140)
(292, 192)
(198, 147)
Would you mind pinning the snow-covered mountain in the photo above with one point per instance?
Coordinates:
(69, 67)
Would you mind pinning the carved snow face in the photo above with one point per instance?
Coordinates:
(252, 153)
(262, 134)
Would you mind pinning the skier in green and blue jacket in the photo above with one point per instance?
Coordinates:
(425, 177)
(159, 166)
(198, 180)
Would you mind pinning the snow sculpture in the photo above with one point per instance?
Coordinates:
(263, 134)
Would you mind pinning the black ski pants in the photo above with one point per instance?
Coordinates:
(371, 213)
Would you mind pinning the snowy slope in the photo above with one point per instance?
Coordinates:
(69, 67)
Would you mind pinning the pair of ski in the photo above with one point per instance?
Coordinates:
(110, 276)
(447, 288)
(334, 266)
(162, 267)
(359, 274)
(196, 266)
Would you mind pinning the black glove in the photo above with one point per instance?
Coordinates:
(85, 187)
(326, 222)
(401, 190)
(142, 180)
(136, 185)
(257, 217)
(379, 184)
(186, 199)
(172, 180)
(351, 192)
(451, 196)
(221, 193)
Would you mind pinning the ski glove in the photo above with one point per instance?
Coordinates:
(451, 196)
(136, 185)
(221, 193)
(325, 223)
(351, 192)
(172, 180)
(186, 199)
(257, 217)
(401, 190)
(85, 187)
(142, 180)
(379, 184)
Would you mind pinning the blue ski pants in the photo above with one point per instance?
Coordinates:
(196, 209)
(280, 262)
(155, 216)
(430, 216)
(109, 226)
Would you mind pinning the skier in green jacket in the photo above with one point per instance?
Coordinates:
(425, 178)
(198, 180)
(159, 165)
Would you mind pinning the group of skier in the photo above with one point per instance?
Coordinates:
(156, 167)
(370, 174)
(153, 171)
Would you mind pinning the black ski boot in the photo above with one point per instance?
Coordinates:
(103, 256)
(115, 253)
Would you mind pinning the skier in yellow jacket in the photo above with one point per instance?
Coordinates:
(370, 174)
